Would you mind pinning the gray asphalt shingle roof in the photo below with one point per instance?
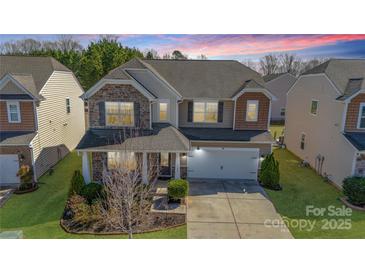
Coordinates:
(346, 74)
(16, 137)
(31, 72)
(196, 78)
(270, 77)
(357, 139)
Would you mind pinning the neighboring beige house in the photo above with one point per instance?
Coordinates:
(199, 118)
(42, 115)
(279, 84)
(325, 118)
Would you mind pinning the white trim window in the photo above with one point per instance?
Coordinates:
(119, 114)
(252, 110)
(122, 159)
(163, 110)
(13, 109)
(205, 112)
(361, 118)
(314, 107)
(68, 105)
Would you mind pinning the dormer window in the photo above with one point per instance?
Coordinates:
(361, 119)
(13, 111)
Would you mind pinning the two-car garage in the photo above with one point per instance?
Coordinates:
(223, 163)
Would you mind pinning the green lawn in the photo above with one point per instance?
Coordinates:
(276, 129)
(37, 214)
(302, 187)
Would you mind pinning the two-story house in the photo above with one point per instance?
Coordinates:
(279, 85)
(41, 114)
(201, 119)
(325, 121)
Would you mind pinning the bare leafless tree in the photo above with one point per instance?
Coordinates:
(67, 42)
(251, 64)
(202, 57)
(127, 200)
(290, 63)
(269, 64)
(151, 54)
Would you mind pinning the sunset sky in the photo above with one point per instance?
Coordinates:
(239, 47)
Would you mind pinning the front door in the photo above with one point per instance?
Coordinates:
(165, 164)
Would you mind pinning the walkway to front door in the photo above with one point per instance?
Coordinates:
(225, 209)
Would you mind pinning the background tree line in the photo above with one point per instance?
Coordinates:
(92, 63)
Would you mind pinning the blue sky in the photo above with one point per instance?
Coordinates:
(233, 46)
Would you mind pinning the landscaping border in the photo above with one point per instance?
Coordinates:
(67, 230)
(20, 192)
(347, 203)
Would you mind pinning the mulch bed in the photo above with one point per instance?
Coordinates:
(354, 207)
(26, 190)
(155, 222)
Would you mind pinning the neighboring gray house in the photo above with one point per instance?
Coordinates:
(278, 85)
(325, 121)
(41, 114)
(199, 118)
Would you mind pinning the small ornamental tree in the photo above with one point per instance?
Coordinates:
(77, 182)
(25, 173)
(270, 174)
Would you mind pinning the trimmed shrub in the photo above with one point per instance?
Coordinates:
(25, 173)
(177, 189)
(91, 191)
(270, 174)
(354, 189)
(77, 182)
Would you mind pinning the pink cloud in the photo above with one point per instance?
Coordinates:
(221, 45)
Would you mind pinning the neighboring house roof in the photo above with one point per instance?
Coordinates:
(346, 75)
(270, 77)
(219, 134)
(163, 137)
(357, 139)
(196, 78)
(31, 72)
(16, 138)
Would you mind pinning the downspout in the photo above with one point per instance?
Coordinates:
(33, 162)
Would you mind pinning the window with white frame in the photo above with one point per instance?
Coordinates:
(119, 113)
(361, 118)
(282, 112)
(122, 159)
(163, 108)
(252, 110)
(205, 112)
(314, 107)
(13, 108)
(68, 105)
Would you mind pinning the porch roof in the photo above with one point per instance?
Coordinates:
(163, 137)
(357, 139)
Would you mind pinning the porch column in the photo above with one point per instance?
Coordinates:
(177, 165)
(85, 167)
(144, 168)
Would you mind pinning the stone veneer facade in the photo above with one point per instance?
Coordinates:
(117, 93)
(352, 114)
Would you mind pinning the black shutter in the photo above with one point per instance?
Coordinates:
(190, 111)
(220, 111)
(102, 113)
(137, 118)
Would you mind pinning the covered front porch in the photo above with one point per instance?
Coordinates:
(165, 152)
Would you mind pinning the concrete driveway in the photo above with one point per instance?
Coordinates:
(225, 209)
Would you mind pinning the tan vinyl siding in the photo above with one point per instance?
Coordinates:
(322, 131)
(228, 109)
(58, 131)
(27, 117)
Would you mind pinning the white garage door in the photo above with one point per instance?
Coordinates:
(9, 165)
(223, 163)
